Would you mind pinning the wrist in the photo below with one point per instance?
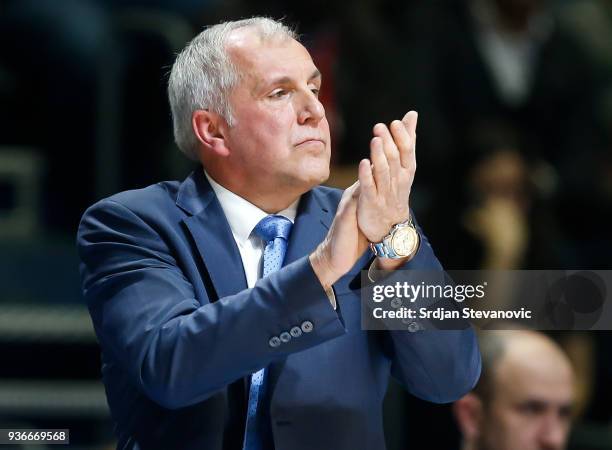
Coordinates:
(390, 264)
(383, 227)
(322, 267)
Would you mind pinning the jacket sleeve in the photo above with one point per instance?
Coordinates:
(439, 366)
(175, 349)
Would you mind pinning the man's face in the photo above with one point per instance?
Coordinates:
(280, 141)
(531, 408)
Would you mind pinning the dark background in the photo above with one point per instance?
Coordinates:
(523, 160)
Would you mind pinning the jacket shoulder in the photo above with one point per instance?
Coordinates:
(145, 200)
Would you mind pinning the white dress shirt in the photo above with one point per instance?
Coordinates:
(242, 217)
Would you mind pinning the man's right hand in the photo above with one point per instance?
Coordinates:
(344, 243)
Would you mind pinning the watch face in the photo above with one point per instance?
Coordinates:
(405, 241)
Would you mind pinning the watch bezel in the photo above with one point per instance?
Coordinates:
(395, 235)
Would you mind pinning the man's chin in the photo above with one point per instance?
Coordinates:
(306, 183)
(324, 176)
(320, 178)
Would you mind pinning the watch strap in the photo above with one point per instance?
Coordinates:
(384, 249)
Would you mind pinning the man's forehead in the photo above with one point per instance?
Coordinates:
(270, 56)
(531, 379)
(558, 392)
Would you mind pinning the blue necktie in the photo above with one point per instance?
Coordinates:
(274, 230)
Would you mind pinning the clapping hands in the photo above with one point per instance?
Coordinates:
(376, 202)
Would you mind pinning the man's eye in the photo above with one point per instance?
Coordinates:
(279, 94)
(315, 91)
(532, 408)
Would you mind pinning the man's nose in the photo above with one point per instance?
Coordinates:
(553, 436)
(311, 109)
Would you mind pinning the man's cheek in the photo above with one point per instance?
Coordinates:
(325, 126)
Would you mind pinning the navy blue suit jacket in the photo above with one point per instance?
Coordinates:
(180, 331)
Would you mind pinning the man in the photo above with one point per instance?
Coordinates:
(200, 354)
(524, 398)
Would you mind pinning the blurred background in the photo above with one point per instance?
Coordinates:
(514, 154)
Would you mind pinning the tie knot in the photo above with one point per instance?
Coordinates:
(272, 227)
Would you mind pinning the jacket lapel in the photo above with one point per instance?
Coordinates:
(212, 235)
(310, 228)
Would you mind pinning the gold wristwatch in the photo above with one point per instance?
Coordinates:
(402, 241)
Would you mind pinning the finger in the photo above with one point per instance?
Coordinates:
(348, 194)
(410, 121)
(390, 149)
(353, 188)
(381, 167)
(366, 179)
(404, 143)
(408, 157)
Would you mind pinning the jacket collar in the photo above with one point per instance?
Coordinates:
(195, 193)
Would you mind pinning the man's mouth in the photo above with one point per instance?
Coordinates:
(312, 141)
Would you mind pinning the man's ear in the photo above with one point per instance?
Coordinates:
(209, 127)
(469, 414)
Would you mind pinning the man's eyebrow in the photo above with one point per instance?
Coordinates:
(286, 80)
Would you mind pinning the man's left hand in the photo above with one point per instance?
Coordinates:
(387, 179)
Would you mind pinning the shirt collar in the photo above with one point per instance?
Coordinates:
(241, 214)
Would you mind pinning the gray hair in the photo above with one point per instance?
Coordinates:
(203, 75)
